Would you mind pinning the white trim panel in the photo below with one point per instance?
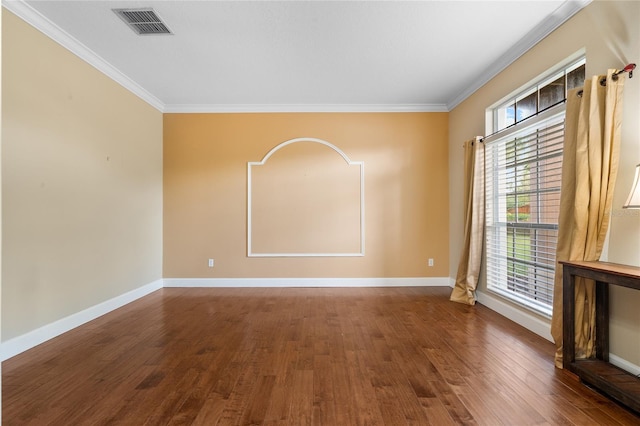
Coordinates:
(33, 338)
(535, 324)
(344, 156)
(307, 282)
(57, 34)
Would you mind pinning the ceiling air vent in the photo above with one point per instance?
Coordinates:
(143, 21)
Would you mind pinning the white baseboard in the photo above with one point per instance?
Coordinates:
(29, 340)
(307, 282)
(33, 338)
(624, 364)
(539, 326)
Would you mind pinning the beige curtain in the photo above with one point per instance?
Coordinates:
(590, 166)
(471, 256)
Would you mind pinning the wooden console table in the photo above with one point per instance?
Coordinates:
(611, 380)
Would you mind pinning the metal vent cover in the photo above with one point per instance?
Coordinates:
(143, 21)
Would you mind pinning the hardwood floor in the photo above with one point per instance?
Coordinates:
(330, 356)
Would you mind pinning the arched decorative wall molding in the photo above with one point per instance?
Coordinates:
(251, 252)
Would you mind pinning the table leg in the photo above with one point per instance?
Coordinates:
(602, 321)
(568, 319)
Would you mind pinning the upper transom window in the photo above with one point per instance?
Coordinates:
(548, 92)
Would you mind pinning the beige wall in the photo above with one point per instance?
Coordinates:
(81, 184)
(406, 192)
(610, 33)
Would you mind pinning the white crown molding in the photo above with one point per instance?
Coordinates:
(20, 8)
(276, 108)
(563, 13)
(40, 335)
(57, 34)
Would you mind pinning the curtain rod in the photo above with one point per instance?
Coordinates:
(603, 81)
(629, 68)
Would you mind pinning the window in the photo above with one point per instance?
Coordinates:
(539, 97)
(523, 179)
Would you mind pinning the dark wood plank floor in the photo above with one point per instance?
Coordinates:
(332, 356)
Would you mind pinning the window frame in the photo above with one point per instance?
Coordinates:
(549, 118)
(500, 126)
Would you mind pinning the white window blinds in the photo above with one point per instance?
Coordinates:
(523, 178)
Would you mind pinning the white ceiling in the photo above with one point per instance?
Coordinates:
(302, 55)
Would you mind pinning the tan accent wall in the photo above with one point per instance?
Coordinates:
(406, 192)
(610, 33)
(81, 184)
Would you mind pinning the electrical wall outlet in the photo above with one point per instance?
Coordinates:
(430, 262)
(210, 263)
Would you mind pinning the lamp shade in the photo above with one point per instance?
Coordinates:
(633, 202)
